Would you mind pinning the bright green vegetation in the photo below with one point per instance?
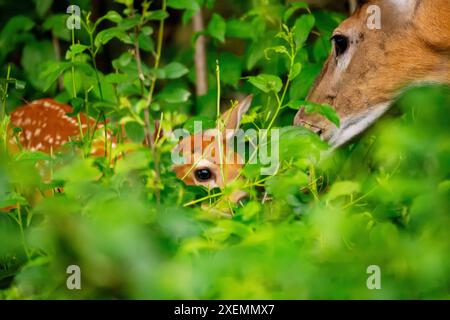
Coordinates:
(138, 232)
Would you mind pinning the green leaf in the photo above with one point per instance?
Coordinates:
(146, 43)
(173, 70)
(116, 78)
(310, 107)
(217, 27)
(32, 156)
(156, 15)
(130, 22)
(74, 50)
(184, 4)
(230, 68)
(51, 72)
(104, 36)
(207, 123)
(301, 85)
(42, 6)
(296, 69)
(57, 24)
(12, 199)
(285, 184)
(343, 188)
(294, 7)
(15, 25)
(175, 95)
(302, 28)
(277, 49)
(127, 3)
(112, 16)
(15, 32)
(147, 30)
(135, 131)
(34, 57)
(240, 29)
(327, 21)
(77, 106)
(266, 83)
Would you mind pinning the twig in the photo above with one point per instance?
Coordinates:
(201, 82)
(150, 99)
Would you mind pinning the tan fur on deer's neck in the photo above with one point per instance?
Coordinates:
(412, 46)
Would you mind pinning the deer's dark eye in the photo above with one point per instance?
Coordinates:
(340, 44)
(203, 174)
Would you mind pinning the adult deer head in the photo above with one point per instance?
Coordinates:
(368, 66)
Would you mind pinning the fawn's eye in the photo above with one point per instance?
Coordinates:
(340, 44)
(203, 174)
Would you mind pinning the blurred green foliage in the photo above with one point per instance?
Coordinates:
(308, 232)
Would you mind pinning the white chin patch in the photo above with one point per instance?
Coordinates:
(352, 127)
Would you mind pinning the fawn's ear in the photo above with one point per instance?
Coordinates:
(232, 118)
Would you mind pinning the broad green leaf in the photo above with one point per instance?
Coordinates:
(267, 83)
(57, 24)
(277, 49)
(342, 188)
(175, 95)
(12, 199)
(103, 37)
(173, 70)
(35, 55)
(157, 15)
(296, 69)
(302, 29)
(301, 85)
(293, 8)
(230, 68)
(323, 109)
(207, 123)
(42, 6)
(116, 78)
(75, 49)
(32, 156)
(184, 4)
(112, 16)
(239, 29)
(127, 3)
(217, 27)
(51, 71)
(130, 22)
(146, 43)
(135, 131)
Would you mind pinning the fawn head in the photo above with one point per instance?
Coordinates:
(369, 66)
(208, 160)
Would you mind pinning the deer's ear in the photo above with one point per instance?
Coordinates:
(232, 118)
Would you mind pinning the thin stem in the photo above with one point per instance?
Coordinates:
(74, 90)
(5, 95)
(151, 91)
(22, 233)
(219, 124)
